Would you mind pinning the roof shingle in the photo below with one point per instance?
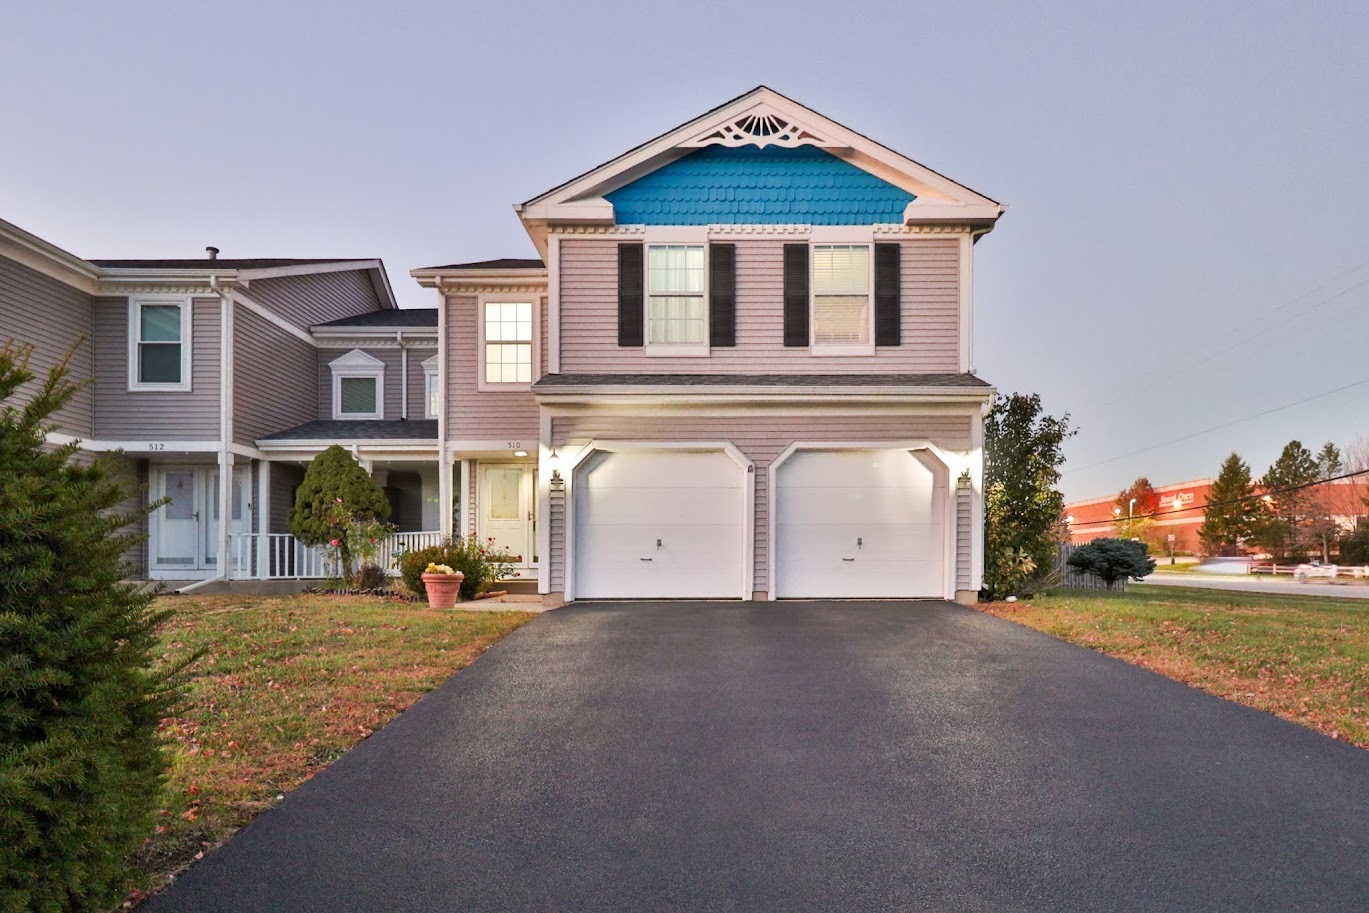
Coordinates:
(345, 431)
(400, 318)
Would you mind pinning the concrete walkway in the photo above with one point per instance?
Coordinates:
(807, 757)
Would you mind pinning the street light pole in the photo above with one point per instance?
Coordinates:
(1131, 526)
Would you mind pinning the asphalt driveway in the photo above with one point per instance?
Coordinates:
(808, 756)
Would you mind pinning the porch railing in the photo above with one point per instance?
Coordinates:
(280, 556)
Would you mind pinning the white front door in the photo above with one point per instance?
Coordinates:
(859, 524)
(506, 511)
(184, 532)
(175, 526)
(662, 524)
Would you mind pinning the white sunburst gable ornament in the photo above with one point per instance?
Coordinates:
(759, 127)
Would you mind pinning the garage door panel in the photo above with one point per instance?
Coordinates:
(858, 524)
(691, 502)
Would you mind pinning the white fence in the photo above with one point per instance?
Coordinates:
(280, 556)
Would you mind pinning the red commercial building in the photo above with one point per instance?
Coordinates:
(1179, 513)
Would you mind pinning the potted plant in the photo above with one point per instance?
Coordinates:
(443, 585)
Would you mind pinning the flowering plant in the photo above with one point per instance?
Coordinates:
(439, 569)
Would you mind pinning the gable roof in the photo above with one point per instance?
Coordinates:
(398, 318)
(503, 263)
(763, 118)
(220, 263)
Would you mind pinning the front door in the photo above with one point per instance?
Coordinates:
(184, 540)
(506, 512)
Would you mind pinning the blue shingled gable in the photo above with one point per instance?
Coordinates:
(721, 185)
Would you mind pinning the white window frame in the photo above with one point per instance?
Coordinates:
(357, 363)
(430, 367)
(675, 349)
(863, 237)
(135, 309)
(535, 300)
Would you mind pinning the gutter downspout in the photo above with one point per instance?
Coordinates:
(444, 468)
(403, 376)
(225, 435)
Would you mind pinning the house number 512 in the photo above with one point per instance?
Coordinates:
(156, 446)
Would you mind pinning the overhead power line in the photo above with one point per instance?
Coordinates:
(1189, 437)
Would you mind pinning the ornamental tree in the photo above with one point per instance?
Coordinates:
(1022, 508)
(1111, 560)
(81, 693)
(1134, 520)
(336, 505)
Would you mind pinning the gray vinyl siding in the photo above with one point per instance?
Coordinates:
(930, 316)
(273, 378)
(121, 414)
(315, 298)
(51, 316)
(472, 413)
(394, 381)
(133, 475)
(962, 538)
(415, 382)
(285, 478)
(761, 437)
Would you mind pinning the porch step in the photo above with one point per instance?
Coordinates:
(522, 587)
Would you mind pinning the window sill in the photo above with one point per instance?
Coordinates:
(353, 417)
(486, 386)
(834, 351)
(695, 350)
(158, 388)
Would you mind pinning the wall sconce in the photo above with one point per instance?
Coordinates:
(964, 480)
(553, 458)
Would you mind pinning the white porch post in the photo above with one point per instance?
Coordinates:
(225, 513)
(444, 494)
(263, 516)
(543, 494)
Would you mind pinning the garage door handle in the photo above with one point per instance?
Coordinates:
(646, 559)
(848, 559)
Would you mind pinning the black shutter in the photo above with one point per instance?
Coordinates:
(796, 294)
(722, 294)
(631, 292)
(888, 305)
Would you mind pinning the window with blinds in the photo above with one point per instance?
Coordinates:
(841, 295)
(677, 312)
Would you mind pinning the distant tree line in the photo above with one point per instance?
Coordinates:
(1295, 511)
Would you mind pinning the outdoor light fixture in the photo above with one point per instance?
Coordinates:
(520, 453)
(552, 459)
(1069, 519)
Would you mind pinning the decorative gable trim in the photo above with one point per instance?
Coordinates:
(356, 359)
(761, 126)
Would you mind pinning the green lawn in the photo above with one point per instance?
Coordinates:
(1303, 658)
(286, 685)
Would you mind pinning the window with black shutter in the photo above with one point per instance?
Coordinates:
(888, 303)
(796, 295)
(631, 292)
(722, 294)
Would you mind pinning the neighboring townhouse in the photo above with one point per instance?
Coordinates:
(743, 369)
(219, 379)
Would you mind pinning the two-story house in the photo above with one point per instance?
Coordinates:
(218, 379)
(743, 369)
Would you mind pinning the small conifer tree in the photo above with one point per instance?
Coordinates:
(335, 496)
(1111, 560)
(81, 763)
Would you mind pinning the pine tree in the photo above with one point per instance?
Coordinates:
(1231, 512)
(335, 494)
(1326, 502)
(81, 763)
(1282, 527)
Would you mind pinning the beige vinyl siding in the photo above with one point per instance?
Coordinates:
(472, 413)
(415, 386)
(930, 310)
(174, 415)
(285, 478)
(51, 316)
(761, 436)
(273, 381)
(394, 381)
(315, 298)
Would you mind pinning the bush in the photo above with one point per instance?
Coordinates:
(482, 564)
(1111, 560)
(81, 763)
(338, 506)
(371, 577)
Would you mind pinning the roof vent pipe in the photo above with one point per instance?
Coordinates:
(213, 252)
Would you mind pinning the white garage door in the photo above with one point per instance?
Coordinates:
(858, 524)
(652, 524)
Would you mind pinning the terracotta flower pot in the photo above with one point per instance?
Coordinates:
(443, 589)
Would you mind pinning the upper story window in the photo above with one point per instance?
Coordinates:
(507, 340)
(159, 343)
(358, 386)
(843, 315)
(677, 311)
(431, 402)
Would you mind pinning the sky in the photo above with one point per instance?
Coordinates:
(1184, 245)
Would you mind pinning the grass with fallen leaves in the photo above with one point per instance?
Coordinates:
(1302, 658)
(284, 687)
